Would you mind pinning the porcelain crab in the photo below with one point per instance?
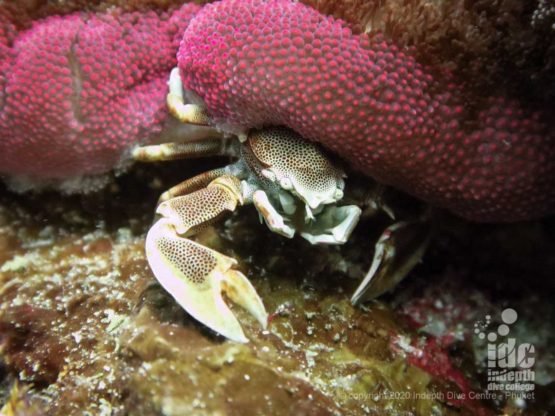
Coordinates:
(295, 189)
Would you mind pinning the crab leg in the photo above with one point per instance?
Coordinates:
(192, 184)
(399, 248)
(176, 151)
(194, 275)
(186, 113)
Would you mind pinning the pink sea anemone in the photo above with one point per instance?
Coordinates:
(78, 90)
(257, 63)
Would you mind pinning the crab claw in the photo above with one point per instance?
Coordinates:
(196, 277)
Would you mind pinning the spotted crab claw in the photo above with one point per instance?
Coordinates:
(197, 276)
(291, 182)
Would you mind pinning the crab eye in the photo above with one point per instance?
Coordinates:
(297, 165)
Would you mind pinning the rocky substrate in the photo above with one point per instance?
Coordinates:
(86, 330)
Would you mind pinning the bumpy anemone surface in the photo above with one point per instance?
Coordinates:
(78, 90)
(278, 62)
